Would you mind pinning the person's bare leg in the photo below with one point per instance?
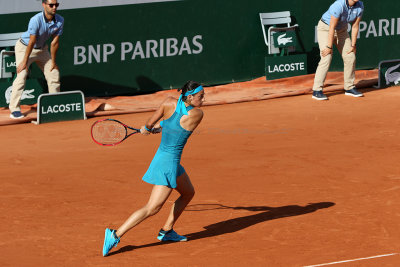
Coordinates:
(157, 199)
(186, 191)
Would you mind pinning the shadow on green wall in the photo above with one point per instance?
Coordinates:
(93, 87)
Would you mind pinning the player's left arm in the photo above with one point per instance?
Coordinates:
(152, 123)
(53, 51)
(354, 34)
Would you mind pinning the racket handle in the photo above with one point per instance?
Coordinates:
(156, 130)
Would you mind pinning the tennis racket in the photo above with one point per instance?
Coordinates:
(110, 132)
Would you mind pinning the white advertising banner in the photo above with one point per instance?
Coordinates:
(22, 6)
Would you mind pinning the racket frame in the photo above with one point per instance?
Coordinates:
(134, 131)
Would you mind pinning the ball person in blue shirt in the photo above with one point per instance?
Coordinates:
(180, 118)
(332, 30)
(32, 47)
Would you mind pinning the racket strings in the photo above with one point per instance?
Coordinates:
(108, 132)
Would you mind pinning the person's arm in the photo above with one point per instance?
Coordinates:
(53, 51)
(21, 66)
(151, 123)
(332, 25)
(354, 34)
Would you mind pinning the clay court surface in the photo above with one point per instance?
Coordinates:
(281, 182)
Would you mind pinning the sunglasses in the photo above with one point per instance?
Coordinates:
(52, 5)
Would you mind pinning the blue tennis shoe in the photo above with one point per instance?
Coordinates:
(319, 95)
(170, 235)
(353, 92)
(110, 240)
(16, 115)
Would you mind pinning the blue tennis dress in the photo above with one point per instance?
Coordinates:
(165, 166)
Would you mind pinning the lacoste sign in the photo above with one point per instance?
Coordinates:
(285, 39)
(392, 75)
(33, 88)
(10, 64)
(285, 66)
(389, 73)
(63, 106)
(26, 94)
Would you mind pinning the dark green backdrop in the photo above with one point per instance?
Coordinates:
(232, 43)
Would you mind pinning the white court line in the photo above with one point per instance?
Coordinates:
(359, 259)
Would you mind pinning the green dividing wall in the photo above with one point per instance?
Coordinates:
(141, 48)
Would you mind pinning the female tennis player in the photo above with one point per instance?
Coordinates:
(180, 118)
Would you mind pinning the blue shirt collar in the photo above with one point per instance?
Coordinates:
(54, 20)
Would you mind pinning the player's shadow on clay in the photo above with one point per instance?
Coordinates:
(239, 223)
(267, 214)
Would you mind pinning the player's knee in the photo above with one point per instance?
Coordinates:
(22, 76)
(152, 209)
(52, 79)
(325, 61)
(349, 58)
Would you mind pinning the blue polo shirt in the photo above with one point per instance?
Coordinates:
(346, 14)
(43, 29)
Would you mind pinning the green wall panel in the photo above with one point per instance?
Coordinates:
(228, 43)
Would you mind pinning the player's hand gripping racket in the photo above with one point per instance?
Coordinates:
(110, 132)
